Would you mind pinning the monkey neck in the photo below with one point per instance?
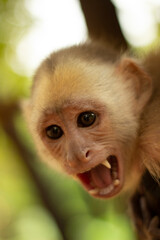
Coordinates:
(150, 189)
(144, 202)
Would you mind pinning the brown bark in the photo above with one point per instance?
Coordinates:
(102, 22)
(7, 114)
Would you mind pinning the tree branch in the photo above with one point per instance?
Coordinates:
(7, 114)
(102, 23)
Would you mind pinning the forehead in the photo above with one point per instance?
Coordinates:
(68, 81)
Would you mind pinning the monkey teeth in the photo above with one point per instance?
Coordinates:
(106, 164)
(114, 174)
(113, 168)
(103, 180)
(104, 191)
(116, 182)
(94, 191)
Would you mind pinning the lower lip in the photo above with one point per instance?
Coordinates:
(111, 194)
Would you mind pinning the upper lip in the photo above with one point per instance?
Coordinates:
(84, 167)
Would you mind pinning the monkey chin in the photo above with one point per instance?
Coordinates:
(104, 180)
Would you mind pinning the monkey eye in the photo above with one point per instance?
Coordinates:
(86, 119)
(54, 132)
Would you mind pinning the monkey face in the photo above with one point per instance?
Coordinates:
(80, 136)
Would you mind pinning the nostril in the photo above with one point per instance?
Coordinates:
(87, 154)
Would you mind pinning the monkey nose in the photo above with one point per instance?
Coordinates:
(84, 156)
(77, 158)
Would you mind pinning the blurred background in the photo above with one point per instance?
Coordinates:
(37, 203)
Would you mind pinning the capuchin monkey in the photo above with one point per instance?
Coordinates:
(95, 115)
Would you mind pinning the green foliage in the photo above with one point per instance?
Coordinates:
(13, 86)
(14, 22)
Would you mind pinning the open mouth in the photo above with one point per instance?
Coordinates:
(104, 180)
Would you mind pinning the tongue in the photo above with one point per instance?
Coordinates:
(101, 176)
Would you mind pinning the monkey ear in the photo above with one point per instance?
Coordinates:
(141, 83)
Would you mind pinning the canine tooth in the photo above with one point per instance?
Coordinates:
(106, 164)
(94, 191)
(116, 182)
(107, 190)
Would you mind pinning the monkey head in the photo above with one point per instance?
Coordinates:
(84, 115)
